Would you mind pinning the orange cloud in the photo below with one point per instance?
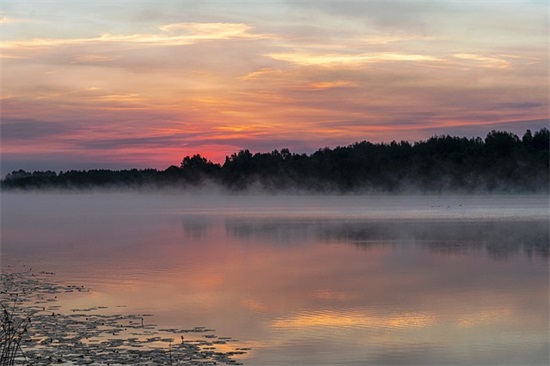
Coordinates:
(384, 39)
(254, 82)
(343, 59)
(262, 73)
(210, 31)
(324, 85)
(93, 58)
(484, 61)
(178, 34)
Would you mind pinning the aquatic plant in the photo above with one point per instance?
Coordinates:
(14, 324)
(36, 331)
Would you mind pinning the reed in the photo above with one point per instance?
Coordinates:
(14, 325)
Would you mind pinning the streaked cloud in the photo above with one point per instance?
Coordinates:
(385, 39)
(178, 34)
(262, 73)
(8, 20)
(21, 129)
(346, 59)
(217, 77)
(209, 31)
(484, 61)
(91, 58)
(324, 85)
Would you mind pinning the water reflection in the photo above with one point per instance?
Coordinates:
(307, 289)
(196, 228)
(498, 238)
(416, 292)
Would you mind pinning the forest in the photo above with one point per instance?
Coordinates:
(502, 162)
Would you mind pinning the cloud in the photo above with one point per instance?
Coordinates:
(93, 58)
(261, 74)
(145, 142)
(484, 61)
(384, 39)
(144, 39)
(10, 20)
(326, 85)
(211, 31)
(217, 78)
(347, 59)
(178, 34)
(523, 105)
(29, 129)
(121, 98)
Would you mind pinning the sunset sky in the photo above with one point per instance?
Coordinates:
(122, 84)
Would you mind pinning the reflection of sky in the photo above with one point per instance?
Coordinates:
(301, 292)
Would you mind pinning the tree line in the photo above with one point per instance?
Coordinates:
(502, 162)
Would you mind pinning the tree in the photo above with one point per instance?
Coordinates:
(194, 162)
(501, 143)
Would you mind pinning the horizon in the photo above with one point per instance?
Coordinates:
(309, 154)
(143, 84)
(95, 166)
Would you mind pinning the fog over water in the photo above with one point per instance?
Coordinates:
(312, 280)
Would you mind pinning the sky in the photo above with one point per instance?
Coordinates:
(141, 84)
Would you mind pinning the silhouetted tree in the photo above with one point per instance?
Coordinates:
(500, 162)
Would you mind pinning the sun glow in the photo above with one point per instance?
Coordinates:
(265, 79)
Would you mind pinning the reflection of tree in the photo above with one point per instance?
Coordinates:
(498, 238)
(196, 228)
(274, 231)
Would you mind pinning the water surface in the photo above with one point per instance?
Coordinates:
(307, 280)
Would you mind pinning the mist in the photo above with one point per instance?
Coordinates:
(327, 273)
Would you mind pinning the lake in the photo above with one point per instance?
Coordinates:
(306, 280)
